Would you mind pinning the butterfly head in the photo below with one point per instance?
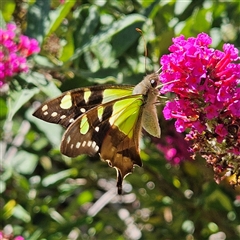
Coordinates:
(148, 85)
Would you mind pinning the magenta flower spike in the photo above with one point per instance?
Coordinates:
(205, 82)
(14, 50)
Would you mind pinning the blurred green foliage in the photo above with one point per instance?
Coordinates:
(45, 195)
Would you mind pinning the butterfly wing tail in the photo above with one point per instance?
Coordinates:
(123, 156)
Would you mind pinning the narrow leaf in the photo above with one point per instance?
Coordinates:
(18, 99)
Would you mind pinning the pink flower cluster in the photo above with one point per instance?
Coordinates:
(14, 50)
(4, 236)
(206, 85)
(206, 82)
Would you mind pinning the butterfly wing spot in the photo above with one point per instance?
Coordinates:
(45, 113)
(45, 108)
(84, 143)
(84, 125)
(63, 116)
(68, 139)
(96, 129)
(86, 95)
(54, 114)
(78, 144)
(66, 101)
(94, 146)
(71, 120)
(82, 110)
(89, 143)
(100, 110)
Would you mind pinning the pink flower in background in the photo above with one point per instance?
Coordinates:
(173, 146)
(4, 236)
(19, 238)
(14, 51)
(205, 82)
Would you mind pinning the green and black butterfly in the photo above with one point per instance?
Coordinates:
(106, 119)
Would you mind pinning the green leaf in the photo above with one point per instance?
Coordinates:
(44, 85)
(38, 20)
(84, 197)
(57, 16)
(3, 108)
(121, 40)
(17, 99)
(7, 9)
(54, 178)
(68, 49)
(20, 213)
(35, 235)
(44, 62)
(52, 132)
(104, 35)
(24, 162)
(88, 20)
(2, 186)
(217, 199)
(57, 216)
(8, 208)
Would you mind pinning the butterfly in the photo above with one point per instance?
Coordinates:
(106, 120)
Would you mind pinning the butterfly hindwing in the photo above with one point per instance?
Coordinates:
(112, 130)
(70, 105)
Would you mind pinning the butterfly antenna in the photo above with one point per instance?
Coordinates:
(158, 71)
(145, 47)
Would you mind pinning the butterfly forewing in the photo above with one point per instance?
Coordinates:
(70, 105)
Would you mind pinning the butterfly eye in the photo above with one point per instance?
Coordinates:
(153, 83)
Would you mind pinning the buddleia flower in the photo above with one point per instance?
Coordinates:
(205, 83)
(14, 50)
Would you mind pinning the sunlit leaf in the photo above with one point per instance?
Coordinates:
(18, 99)
(24, 162)
(54, 136)
(54, 178)
(58, 15)
(3, 107)
(44, 85)
(21, 213)
(2, 186)
(85, 197)
(7, 9)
